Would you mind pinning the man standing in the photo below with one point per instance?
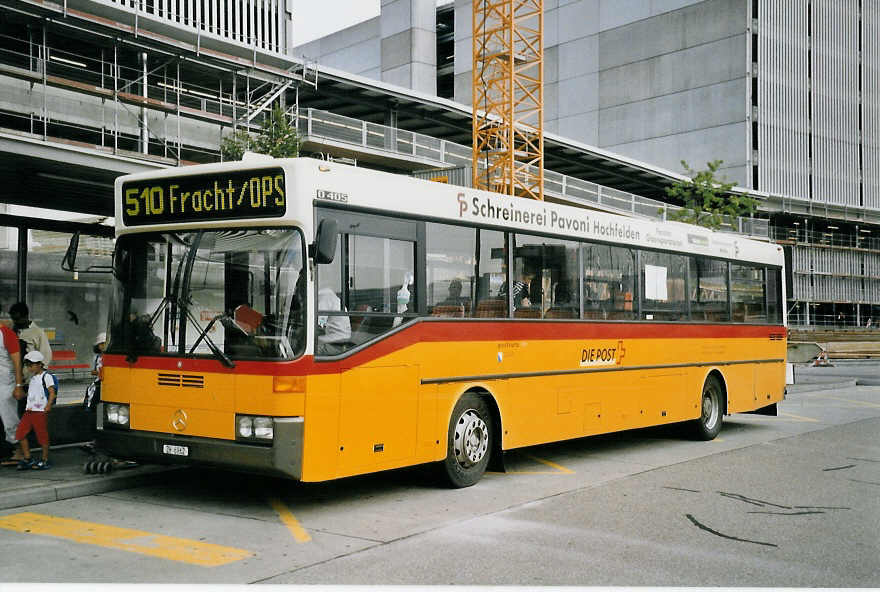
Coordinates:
(11, 382)
(28, 331)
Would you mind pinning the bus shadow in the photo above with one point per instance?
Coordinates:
(628, 441)
(244, 490)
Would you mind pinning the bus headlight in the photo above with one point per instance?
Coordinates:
(116, 414)
(263, 428)
(245, 426)
(254, 428)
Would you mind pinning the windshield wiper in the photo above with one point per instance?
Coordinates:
(218, 353)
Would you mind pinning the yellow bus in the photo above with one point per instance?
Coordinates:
(315, 320)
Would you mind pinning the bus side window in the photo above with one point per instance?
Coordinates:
(663, 278)
(333, 331)
(747, 293)
(491, 288)
(449, 270)
(708, 290)
(774, 295)
(544, 270)
(368, 289)
(609, 282)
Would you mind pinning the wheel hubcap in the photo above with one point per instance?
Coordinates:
(710, 409)
(471, 439)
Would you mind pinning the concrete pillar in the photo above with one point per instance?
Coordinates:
(408, 31)
(391, 123)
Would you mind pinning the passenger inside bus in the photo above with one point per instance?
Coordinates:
(453, 305)
(454, 297)
(333, 330)
(520, 289)
(563, 307)
(403, 298)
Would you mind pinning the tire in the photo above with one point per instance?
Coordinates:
(711, 411)
(469, 442)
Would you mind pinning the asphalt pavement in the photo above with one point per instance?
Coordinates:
(70, 477)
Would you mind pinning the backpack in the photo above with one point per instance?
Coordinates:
(54, 383)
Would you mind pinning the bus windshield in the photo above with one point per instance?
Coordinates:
(227, 294)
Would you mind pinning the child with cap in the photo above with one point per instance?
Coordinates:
(40, 398)
(93, 392)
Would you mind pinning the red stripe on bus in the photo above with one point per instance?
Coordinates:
(453, 330)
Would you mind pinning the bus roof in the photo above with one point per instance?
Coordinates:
(331, 184)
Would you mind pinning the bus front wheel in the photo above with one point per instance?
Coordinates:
(711, 411)
(469, 442)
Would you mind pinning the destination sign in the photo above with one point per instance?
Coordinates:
(194, 198)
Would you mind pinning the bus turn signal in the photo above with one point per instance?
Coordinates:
(289, 384)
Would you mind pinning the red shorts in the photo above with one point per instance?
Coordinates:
(37, 421)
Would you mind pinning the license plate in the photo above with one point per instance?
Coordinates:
(175, 450)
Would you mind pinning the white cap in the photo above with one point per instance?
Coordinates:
(34, 356)
(101, 338)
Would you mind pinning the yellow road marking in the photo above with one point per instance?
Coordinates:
(559, 468)
(298, 532)
(550, 463)
(125, 539)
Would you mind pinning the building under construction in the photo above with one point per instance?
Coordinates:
(91, 89)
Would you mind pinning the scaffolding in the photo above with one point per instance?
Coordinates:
(122, 93)
(508, 96)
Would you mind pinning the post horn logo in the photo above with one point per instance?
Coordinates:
(178, 420)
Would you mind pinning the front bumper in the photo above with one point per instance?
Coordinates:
(282, 458)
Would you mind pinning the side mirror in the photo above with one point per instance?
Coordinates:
(68, 263)
(324, 247)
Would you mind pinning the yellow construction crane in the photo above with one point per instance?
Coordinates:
(508, 95)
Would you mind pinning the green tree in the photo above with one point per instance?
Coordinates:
(277, 137)
(707, 200)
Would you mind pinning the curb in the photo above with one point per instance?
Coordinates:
(40, 494)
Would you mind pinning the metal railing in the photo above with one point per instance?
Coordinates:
(253, 23)
(849, 323)
(824, 238)
(314, 123)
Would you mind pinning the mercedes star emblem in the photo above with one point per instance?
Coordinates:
(178, 420)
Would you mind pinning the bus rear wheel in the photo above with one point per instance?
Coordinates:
(469, 442)
(711, 411)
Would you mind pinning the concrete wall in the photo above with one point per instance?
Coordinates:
(409, 44)
(399, 46)
(660, 81)
(355, 49)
